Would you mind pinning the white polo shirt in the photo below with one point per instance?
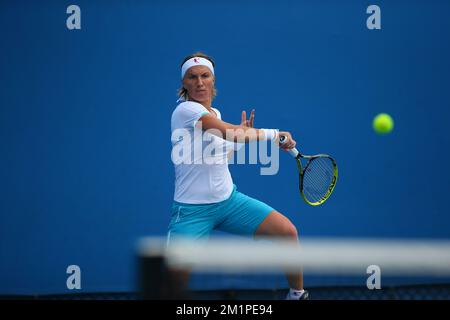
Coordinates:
(200, 158)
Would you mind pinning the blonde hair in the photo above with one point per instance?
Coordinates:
(182, 92)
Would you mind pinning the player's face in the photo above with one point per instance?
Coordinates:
(199, 82)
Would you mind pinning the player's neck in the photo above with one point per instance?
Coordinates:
(206, 104)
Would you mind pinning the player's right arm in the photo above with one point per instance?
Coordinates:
(228, 131)
(237, 133)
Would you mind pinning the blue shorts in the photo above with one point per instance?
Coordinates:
(239, 214)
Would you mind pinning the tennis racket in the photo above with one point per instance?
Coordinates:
(317, 178)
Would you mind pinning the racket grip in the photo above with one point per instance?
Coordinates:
(293, 152)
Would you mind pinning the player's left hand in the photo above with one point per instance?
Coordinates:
(250, 122)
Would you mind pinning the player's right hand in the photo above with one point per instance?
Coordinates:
(289, 142)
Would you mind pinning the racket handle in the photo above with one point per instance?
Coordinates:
(293, 152)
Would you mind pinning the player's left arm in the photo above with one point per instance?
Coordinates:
(246, 123)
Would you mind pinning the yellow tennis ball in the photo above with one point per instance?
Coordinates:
(383, 123)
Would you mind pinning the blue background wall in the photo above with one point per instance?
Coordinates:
(85, 122)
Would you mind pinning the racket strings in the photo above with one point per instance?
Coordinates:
(317, 178)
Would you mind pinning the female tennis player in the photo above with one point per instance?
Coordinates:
(205, 197)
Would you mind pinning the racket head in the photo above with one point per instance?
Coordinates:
(318, 178)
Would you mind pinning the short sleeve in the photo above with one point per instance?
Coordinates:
(219, 115)
(188, 113)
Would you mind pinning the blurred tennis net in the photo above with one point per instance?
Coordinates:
(338, 258)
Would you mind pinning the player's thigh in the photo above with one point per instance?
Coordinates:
(276, 224)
